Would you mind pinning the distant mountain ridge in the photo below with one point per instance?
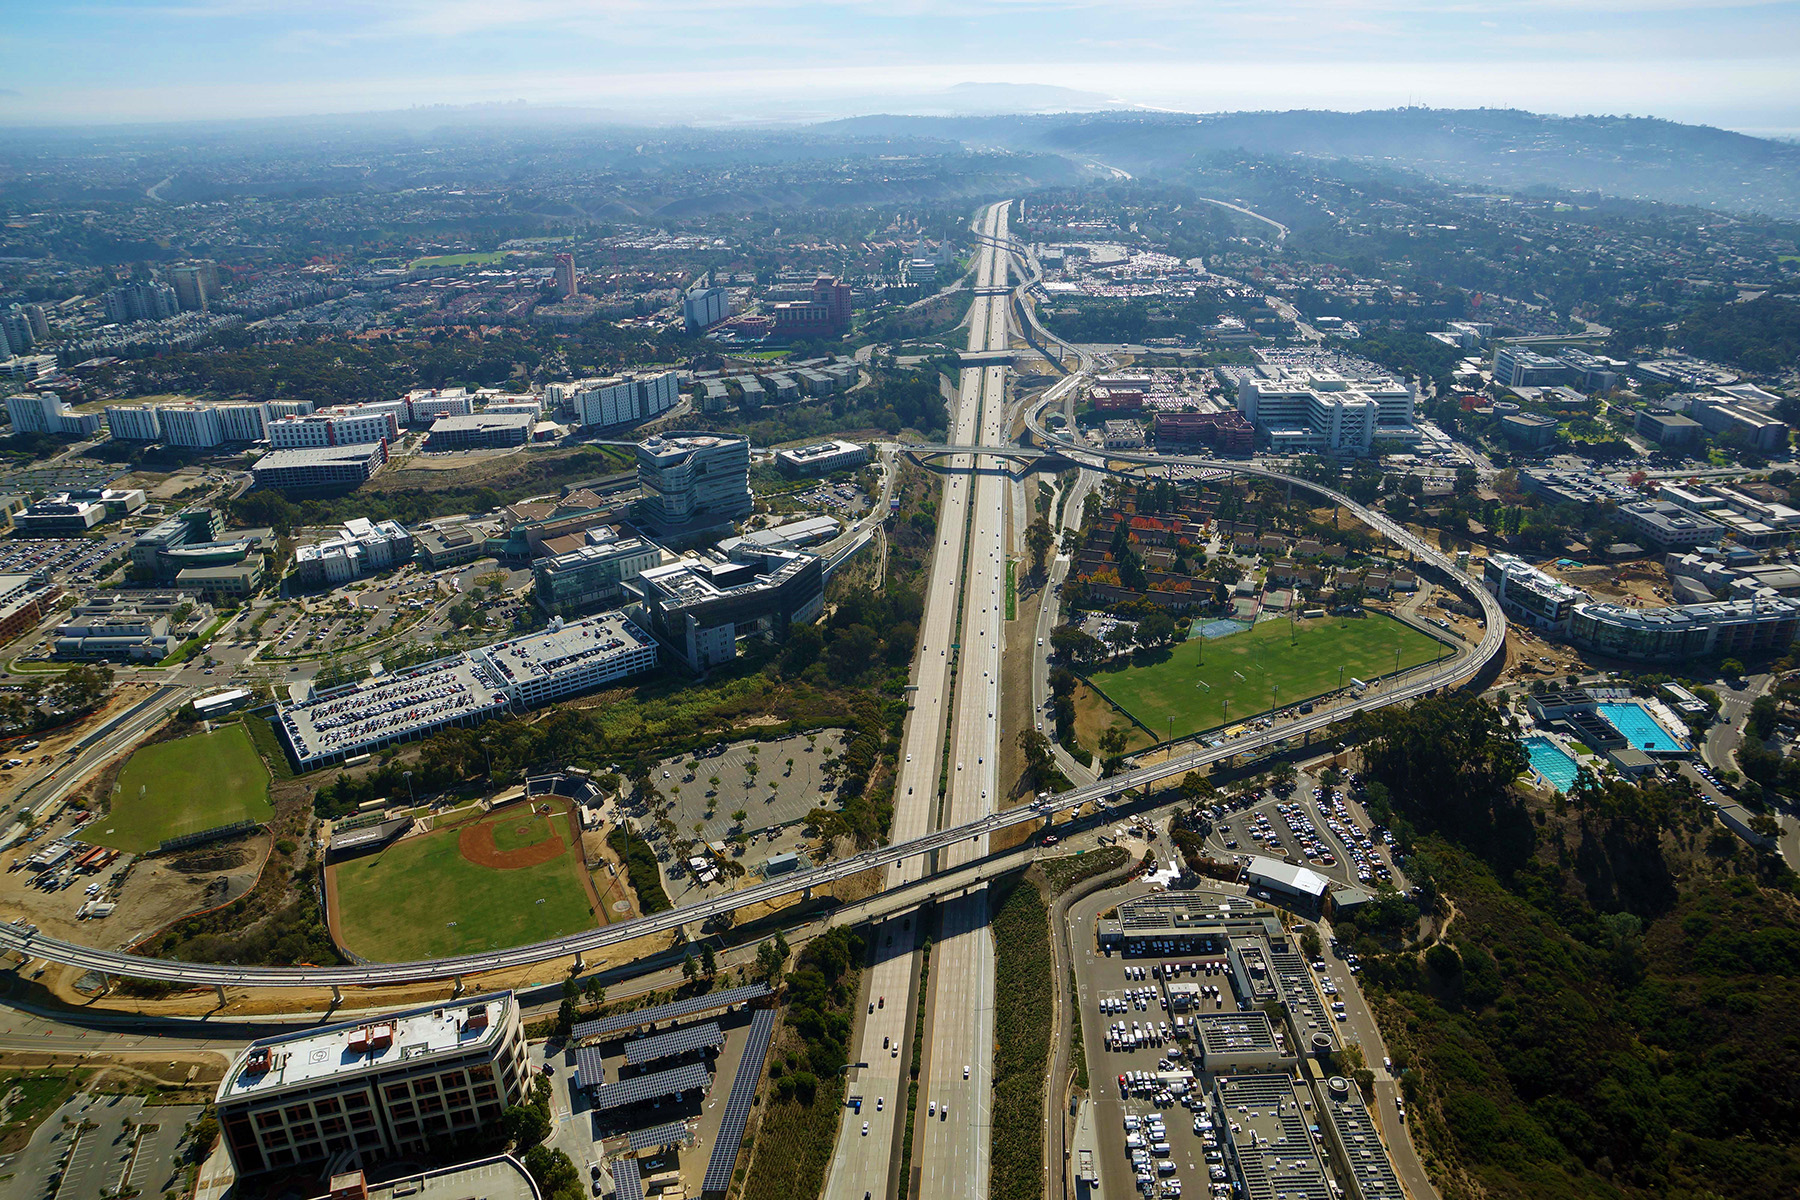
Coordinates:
(1638, 157)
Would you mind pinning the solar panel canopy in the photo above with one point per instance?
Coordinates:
(673, 1043)
(654, 1086)
(737, 1106)
(672, 1011)
(658, 1135)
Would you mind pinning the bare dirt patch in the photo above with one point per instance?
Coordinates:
(476, 843)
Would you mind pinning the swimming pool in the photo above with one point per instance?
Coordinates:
(1639, 728)
(1549, 761)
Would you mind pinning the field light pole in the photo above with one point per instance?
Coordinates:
(488, 755)
(409, 787)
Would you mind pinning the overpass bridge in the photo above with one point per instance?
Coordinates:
(24, 939)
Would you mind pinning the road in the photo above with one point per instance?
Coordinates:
(866, 1163)
(951, 1146)
(120, 732)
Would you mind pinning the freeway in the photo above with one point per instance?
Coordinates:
(912, 847)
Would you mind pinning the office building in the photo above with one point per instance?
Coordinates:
(1592, 372)
(1661, 523)
(704, 307)
(140, 302)
(362, 547)
(700, 607)
(191, 291)
(617, 399)
(566, 283)
(1758, 431)
(1528, 430)
(63, 513)
(153, 551)
(1740, 628)
(141, 629)
(46, 412)
(823, 458)
(23, 603)
(481, 431)
(1570, 487)
(1527, 594)
(134, 423)
(341, 426)
(448, 548)
(826, 314)
(1515, 366)
(1228, 431)
(230, 580)
(466, 688)
(377, 1088)
(1122, 435)
(329, 467)
(693, 481)
(1668, 429)
(1307, 402)
(593, 575)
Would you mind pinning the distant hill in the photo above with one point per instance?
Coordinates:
(1637, 157)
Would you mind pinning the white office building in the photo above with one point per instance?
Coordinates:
(1303, 403)
(362, 548)
(425, 405)
(134, 423)
(705, 307)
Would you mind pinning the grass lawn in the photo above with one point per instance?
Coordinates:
(461, 260)
(1193, 682)
(193, 783)
(420, 898)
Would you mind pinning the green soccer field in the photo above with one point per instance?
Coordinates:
(1203, 684)
(184, 786)
(420, 898)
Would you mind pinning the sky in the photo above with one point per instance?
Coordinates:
(1732, 63)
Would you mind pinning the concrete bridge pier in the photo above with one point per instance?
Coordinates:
(220, 988)
(580, 964)
(337, 997)
(458, 990)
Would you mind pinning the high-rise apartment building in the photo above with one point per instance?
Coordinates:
(134, 422)
(704, 307)
(190, 288)
(346, 426)
(566, 284)
(191, 426)
(693, 480)
(618, 399)
(45, 412)
(140, 302)
(16, 330)
(243, 422)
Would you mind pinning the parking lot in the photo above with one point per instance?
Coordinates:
(129, 1146)
(63, 558)
(1326, 829)
(842, 499)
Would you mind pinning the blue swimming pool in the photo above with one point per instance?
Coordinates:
(1640, 728)
(1548, 760)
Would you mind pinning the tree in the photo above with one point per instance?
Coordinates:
(1157, 629)
(740, 815)
(1112, 741)
(689, 968)
(554, 1173)
(595, 990)
(524, 1125)
(709, 963)
(1038, 539)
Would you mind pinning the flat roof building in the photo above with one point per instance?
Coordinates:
(594, 574)
(362, 547)
(1238, 1041)
(378, 1088)
(481, 431)
(1667, 428)
(617, 399)
(1529, 594)
(1666, 524)
(1268, 1138)
(465, 689)
(822, 458)
(1734, 627)
(700, 607)
(321, 468)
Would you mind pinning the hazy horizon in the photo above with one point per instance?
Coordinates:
(124, 62)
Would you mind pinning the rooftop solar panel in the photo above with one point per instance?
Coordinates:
(659, 1135)
(590, 1066)
(673, 1043)
(737, 1108)
(672, 1011)
(654, 1086)
(627, 1183)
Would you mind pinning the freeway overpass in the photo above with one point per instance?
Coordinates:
(25, 940)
